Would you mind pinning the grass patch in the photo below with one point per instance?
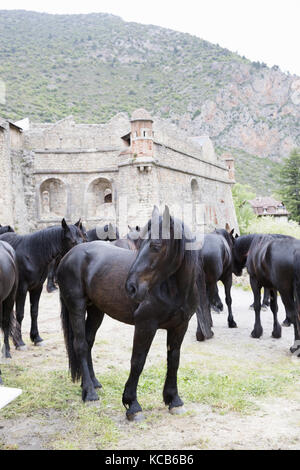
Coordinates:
(237, 388)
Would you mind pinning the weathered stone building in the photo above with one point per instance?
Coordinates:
(104, 171)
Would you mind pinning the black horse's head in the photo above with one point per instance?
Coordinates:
(5, 229)
(71, 235)
(163, 255)
(82, 229)
(240, 253)
(227, 234)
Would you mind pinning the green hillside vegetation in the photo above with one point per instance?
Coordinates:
(261, 174)
(93, 66)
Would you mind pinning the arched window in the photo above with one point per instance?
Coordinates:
(53, 198)
(99, 194)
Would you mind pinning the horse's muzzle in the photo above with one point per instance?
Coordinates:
(136, 291)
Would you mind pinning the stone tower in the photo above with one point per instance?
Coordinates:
(141, 134)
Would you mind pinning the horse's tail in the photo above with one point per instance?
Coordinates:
(204, 318)
(297, 280)
(74, 364)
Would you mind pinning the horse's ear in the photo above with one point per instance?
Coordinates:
(64, 224)
(130, 228)
(236, 235)
(231, 233)
(78, 223)
(227, 227)
(137, 228)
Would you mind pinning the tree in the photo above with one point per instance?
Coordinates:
(289, 181)
(242, 194)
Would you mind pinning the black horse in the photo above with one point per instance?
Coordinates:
(272, 262)
(217, 259)
(52, 268)
(240, 254)
(8, 289)
(34, 253)
(154, 287)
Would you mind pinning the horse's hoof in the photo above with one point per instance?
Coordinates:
(90, 396)
(135, 417)
(200, 336)
(286, 323)
(39, 343)
(51, 289)
(256, 334)
(97, 384)
(276, 334)
(177, 410)
(22, 347)
(232, 325)
(295, 348)
(264, 307)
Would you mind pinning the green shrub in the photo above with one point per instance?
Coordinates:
(272, 225)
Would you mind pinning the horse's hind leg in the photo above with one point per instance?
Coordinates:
(34, 310)
(92, 323)
(7, 308)
(20, 304)
(227, 285)
(276, 333)
(291, 315)
(77, 309)
(144, 333)
(258, 330)
(174, 340)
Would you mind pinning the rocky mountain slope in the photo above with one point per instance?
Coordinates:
(93, 66)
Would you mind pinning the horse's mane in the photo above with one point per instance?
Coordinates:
(242, 244)
(41, 243)
(224, 234)
(181, 282)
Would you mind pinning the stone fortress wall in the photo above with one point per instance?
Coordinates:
(99, 171)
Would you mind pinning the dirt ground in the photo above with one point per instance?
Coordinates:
(275, 424)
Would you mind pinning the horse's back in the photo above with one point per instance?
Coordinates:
(98, 271)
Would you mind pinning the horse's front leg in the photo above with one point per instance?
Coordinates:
(258, 330)
(174, 340)
(144, 333)
(227, 285)
(34, 310)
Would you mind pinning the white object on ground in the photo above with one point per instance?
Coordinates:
(8, 394)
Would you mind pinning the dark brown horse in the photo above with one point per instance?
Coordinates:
(8, 289)
(154, 287)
